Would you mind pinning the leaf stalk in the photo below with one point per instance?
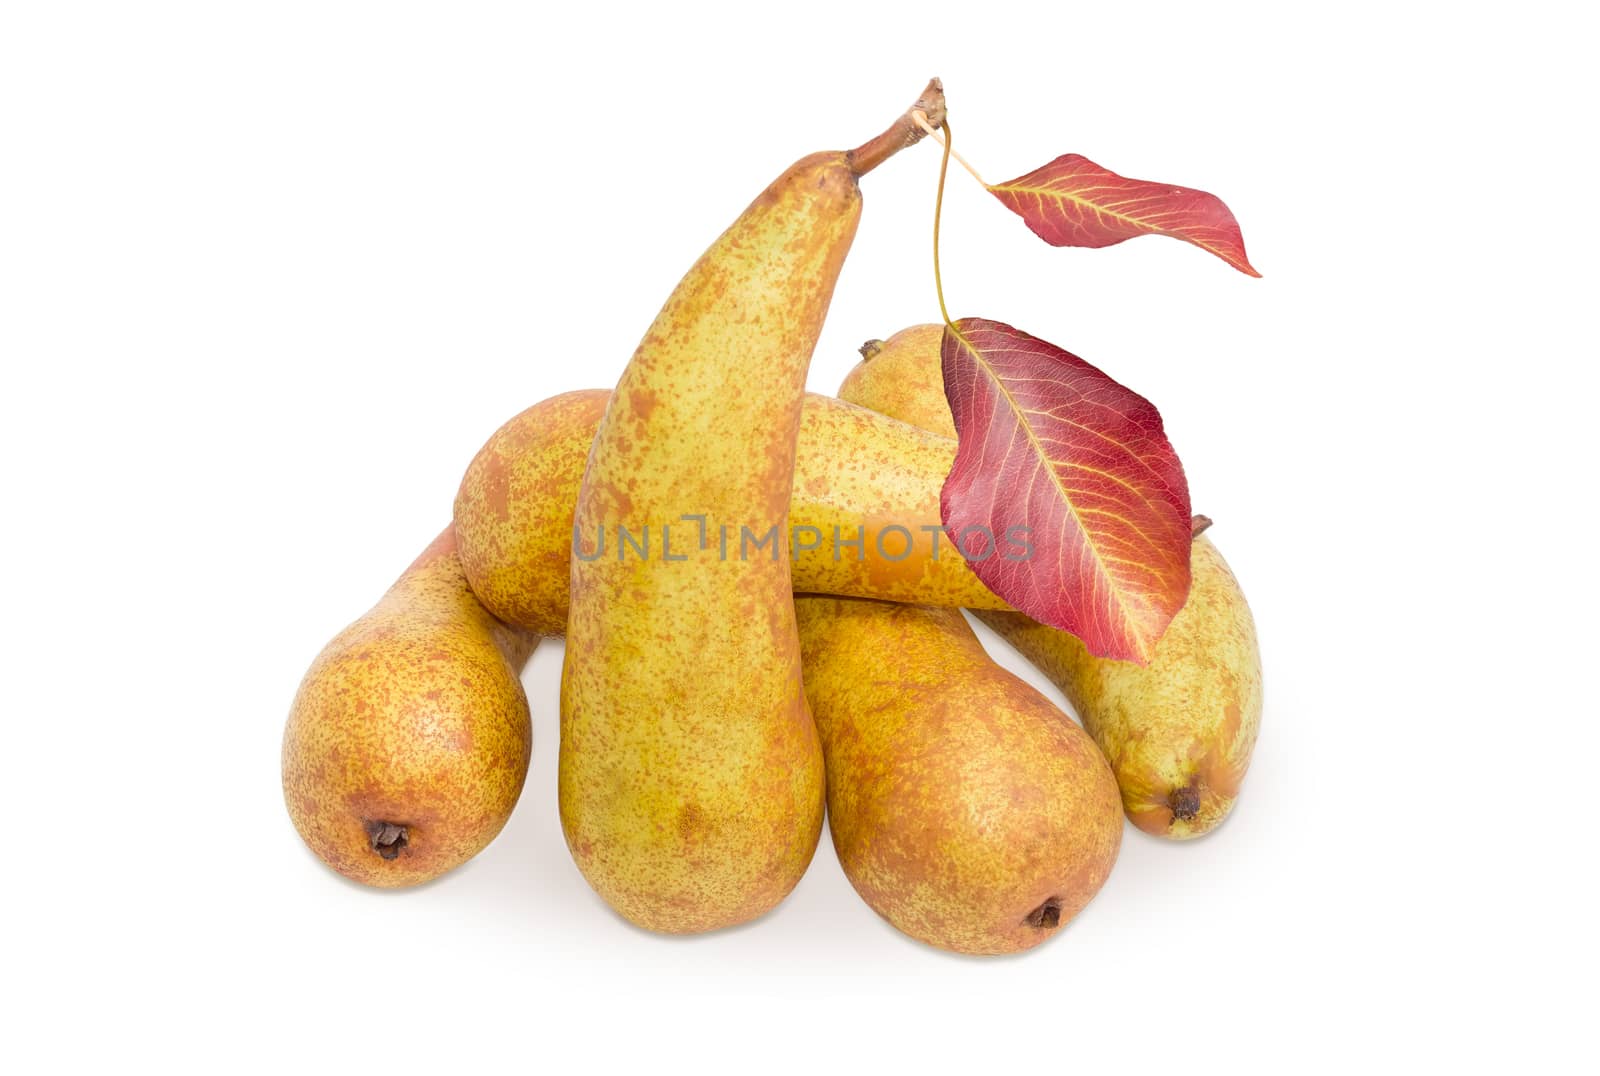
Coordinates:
(938, 209)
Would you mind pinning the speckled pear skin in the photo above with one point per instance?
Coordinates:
(515, 507)
(691, 778)
(1179, 731)
(903, 377)
(408, 741)
(857, 473)
(967, 810)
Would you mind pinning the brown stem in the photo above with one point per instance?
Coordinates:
(904, 132)
(869, 349)
(1198, 526)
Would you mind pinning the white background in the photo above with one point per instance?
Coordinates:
(269, 274)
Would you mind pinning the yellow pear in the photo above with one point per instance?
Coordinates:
(903, 377)
(408, 741)
(863, 510)
(1178, 731)
(691, 775)
(966, 808)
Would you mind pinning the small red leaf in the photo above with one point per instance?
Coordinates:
(1065, 495)
(1073, 202)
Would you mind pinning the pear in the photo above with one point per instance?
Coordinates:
(1178, 731)
(514, 510)
(863, 510)
(691, 775)
(903, 377)
(408, 741)
(966, 808)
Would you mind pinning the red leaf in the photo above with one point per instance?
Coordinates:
(1073, 202)
(1049, 444)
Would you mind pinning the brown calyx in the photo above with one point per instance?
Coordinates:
(386, 837)
(1185, 802)
(1046, 916)
(869, 349)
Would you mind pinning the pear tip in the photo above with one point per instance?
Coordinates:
(1185, 802)
(387, 838)
(1046, 916)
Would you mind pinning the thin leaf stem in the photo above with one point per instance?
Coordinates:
(938, 209)
(922, 121)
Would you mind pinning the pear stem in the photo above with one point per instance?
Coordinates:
(905, 131)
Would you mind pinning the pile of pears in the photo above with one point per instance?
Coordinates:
(717, 700)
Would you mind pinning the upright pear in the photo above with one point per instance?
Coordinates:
(691, 775)
(1178, 731)
(408, 741)
(863, 510)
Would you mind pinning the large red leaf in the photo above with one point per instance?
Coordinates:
(1073, 202)
(1082, 466)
